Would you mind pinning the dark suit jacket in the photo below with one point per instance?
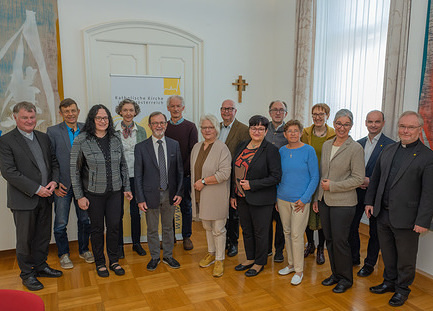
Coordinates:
(61, 145)
(411, 195)
(381, 143)
(238, 133)
(264, 174)
(20, 169)
(146, 172)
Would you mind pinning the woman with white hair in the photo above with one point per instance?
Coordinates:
(210, 179)
(342, 170)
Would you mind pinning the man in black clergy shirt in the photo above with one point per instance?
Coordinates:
(400, 196)
(32, 173)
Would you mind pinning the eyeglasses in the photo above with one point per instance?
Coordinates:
(409, 128)
(204, 128)
(158, 123)
(99, 119)
(345, 125)
(257, 129)
(319, 115)
(278, 110)
(227, 109)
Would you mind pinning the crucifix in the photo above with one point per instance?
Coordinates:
(240, 86)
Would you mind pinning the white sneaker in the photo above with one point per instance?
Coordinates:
(296, 279)
(88, 257)
(65, 262)
(286, 270)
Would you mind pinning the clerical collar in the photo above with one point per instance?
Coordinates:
(26, 135)
(178, 122)
(411, 145)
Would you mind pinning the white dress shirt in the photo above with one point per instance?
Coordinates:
(164, 146)
(369, 147)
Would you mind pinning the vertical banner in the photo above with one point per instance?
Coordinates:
(426, 91)
(150, 93)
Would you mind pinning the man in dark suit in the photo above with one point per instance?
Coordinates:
(400, 196)
(373, 145)
(62, 136)
(158, 174)
(32, 172)
(232, 132)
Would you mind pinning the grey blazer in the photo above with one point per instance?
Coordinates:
(346, 172)
(87, 166)
(59, 138)
(20, 169)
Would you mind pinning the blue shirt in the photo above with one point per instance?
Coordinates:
(178, 122)
(72, 133)
(300, 174)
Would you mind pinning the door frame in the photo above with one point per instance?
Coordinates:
(166, 35)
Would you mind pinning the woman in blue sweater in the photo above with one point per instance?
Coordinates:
(298, 183)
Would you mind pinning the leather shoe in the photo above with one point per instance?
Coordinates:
(279, 257)
(366, 270)
(382, 288)
(233, 251)
(241, 267)
(309, 249)
(32, 283)
(49, 272)
(138, 249)
(397, 300)
(329, 281)
(254, 272)
(320, 255)
(341, 287)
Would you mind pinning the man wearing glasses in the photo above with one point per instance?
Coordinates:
(275, 135)
(158, 172)
(400, 197)
(232, 133)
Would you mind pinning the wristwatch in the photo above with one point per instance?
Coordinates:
(203, 182)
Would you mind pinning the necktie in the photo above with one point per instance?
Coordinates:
(163, 182)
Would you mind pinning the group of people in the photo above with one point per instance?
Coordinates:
(306, 179)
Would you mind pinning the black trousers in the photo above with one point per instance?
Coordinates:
(279, 234)
(399, 251)
(33, 234)
(310, 235)
(105, 207)
(355, 243)
(134, 212)
(336, 221)
(232, 227)
(255, 221)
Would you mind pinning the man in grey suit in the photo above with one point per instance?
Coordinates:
(32, 173)
(232, 132)
(158, 174)
(400, 196)
(62, 136)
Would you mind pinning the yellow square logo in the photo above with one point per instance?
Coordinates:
(171, 86)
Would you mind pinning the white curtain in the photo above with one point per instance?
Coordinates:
(349, 60)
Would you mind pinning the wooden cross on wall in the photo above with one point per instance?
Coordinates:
(240, 86)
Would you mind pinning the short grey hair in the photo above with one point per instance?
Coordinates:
(27, 106)
(175, 97)
(212, 119)
(344, 113)
(412, 113)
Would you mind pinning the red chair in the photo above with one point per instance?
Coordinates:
(16, 300)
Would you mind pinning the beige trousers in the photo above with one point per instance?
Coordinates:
(294, 224)
(216, 237)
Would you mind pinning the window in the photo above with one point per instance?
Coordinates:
(349, 61)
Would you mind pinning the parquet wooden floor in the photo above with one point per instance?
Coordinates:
(194, 288)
